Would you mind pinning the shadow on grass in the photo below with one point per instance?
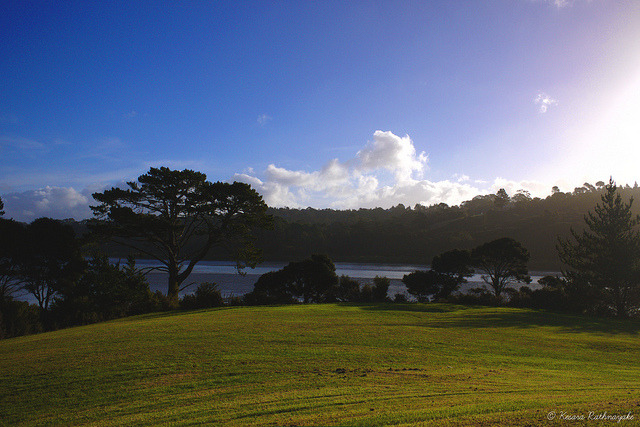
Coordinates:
(171, 313)
(504, 317)
(421, 308)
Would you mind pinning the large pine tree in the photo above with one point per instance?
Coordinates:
(177, 217)
(605, 258)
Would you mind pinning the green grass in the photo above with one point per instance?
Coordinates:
(364, 365)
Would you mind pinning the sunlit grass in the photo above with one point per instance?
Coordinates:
(323, 365)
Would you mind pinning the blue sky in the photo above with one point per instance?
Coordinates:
(324, 104)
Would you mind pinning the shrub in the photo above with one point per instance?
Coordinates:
(380, 289)
(399, 298)
(206, 295)
(18, 318)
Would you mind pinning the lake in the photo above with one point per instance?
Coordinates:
(230, 283)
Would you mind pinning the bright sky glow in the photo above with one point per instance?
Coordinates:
(323, 104)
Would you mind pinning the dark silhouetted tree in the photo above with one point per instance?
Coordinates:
(604, 260)
(348, 289)
(1, 207)
(448, 271)
(310, 280)
(579, 190)
(501, 198)
(314, 279)
(272, 287)
(177, 217)
(453, 268)
(13, 242)
(380, 289)
(521, 196)
(207, 295)
(479, 204)
(422, 284)
(104, 291)
(503, 262)
(52, 260)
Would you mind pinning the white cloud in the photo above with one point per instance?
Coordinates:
(390, 152)
(274, 194)
(363, 181)
(422, 192)
(536, 188)
(560, 4)
(263, 119)
(544, 101)
(461, 177)
(385, 172)
(52, 202)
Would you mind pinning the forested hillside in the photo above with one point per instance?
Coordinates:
(416, 234)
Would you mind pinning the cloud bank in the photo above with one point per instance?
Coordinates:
(52, 202)
(385, 172)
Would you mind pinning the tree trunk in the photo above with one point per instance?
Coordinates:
(621, 309)
(174, 286)
(497, 287)
(621, 306)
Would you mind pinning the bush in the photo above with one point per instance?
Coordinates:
(475, 296)
(235, 301)
(366, 293)
(206, 295)
(18, 318)
(380, 289)
(271, 288)
(159, 302)
(104, 291)
(311, 280)
(400, 298)
(348, 289)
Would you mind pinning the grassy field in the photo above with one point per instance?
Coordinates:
(364, 365)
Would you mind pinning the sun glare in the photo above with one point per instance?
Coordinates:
(611, 145)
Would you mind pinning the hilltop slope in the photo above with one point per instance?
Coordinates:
(323, 365)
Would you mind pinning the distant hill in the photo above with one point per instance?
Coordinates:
(416, 234)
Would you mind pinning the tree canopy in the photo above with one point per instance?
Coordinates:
(51, 260)
(503, 262)
(448, 271)
(310, 280)
(604, 260)
(13, 244)
(166, 209)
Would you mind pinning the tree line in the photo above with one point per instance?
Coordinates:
(159, 216)
(601, 273)
(180, 218)
(414, 235)
(406, 235)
